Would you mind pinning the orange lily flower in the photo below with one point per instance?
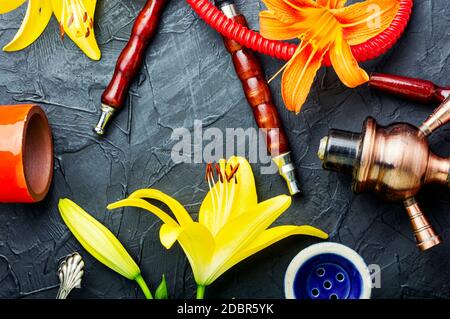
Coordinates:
(324, 27)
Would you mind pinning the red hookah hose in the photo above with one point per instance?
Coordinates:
(284, 50)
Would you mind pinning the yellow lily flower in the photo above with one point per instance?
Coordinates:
(100, 243)
(76, 19)
(325, 27)
(232, 225)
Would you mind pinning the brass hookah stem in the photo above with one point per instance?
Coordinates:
(426, 237)
(440, 117)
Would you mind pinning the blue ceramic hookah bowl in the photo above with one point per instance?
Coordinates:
(327, 271)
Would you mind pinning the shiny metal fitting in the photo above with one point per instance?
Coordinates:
(322, 148)
(426, 237)
(439, 118)
(229, 10)
(287, 171)
(70, 273)
(107, 113)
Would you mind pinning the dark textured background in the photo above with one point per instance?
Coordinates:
(188, 76)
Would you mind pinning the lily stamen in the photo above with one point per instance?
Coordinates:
(209, 172)
(233, 173)
(219, 172)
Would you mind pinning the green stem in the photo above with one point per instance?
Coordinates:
(144, 287)
(200, 292)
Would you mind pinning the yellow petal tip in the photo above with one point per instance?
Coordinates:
(168, 235)
(96, 56)
(113, 206)
(12, 47)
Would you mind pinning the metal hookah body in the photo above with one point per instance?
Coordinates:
(393, 162)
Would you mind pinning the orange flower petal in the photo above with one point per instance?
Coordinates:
(345, 64)
(324, 28)
(299, 76)
(272, 28)
(289, 11)
(301, 3)
(332, 4)
(365, 20)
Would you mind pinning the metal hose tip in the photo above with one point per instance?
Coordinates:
(322, 148)
(287, 171)
(107, 113)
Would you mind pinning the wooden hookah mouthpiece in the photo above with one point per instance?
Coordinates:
(258, 95)
(130, 62)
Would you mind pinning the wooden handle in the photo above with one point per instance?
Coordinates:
(132, 56)
(410, 88)
(257, 92)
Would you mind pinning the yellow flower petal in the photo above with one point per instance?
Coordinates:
(168, 235)
(237, 234)
(245, 189)
(10, 5)
(230, 199)
(77, 20)
(177, 209)
(198, 245)
(140, 203)
(299, 76)
(365, 20)
(345, 64)
(98, 240)
(36, 19)
(90, 6)
(270, 237)
(275, 234)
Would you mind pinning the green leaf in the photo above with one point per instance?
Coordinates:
(161, 292)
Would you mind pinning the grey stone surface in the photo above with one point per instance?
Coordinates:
(187, 76)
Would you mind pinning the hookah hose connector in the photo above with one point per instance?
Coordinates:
(130, 62)
(287, 171)
(106, 114)
(426, 237)
(417, 90)
(440, 117)
(258, 95)
(339, 150)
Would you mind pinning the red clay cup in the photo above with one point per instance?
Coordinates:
(26, 154)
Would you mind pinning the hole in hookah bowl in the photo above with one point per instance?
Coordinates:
(340, 277)
(315, 292)
(320, 272)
